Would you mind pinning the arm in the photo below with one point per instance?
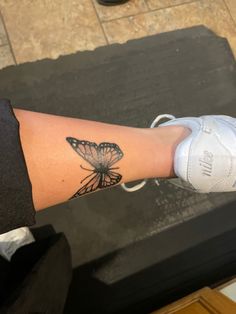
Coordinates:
(56, 167)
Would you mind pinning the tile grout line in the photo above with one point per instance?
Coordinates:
(172, 6)
(228, 9)
(100, 23)
(8, 38)
(149, 11)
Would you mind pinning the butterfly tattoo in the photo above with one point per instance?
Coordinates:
(101, 157)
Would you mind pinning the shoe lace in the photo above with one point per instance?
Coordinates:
(142, 183)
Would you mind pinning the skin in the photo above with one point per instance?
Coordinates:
(56, 169)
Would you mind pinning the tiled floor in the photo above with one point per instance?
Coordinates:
(32, 30)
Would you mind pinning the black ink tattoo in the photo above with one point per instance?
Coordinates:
(101, 157)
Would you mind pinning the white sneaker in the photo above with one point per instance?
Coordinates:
(204, 161)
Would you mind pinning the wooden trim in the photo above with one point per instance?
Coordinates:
(211, 300)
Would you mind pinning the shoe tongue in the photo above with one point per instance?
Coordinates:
(182, 151)
(181, 158)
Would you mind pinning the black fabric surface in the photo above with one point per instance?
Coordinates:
(16, 205)
(165, 268)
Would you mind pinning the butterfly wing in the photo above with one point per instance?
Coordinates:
(90, 186)
(109, 154)
(87, 150)
(108, 179)
(99, 181)
(105, 155)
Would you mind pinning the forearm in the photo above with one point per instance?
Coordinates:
(55, 168)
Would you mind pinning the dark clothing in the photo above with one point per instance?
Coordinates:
(32, 281)
(16, 204)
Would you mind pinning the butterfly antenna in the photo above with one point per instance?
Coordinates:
(85, 168)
